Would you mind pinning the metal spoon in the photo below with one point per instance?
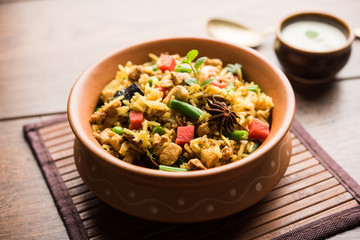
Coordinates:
(357, 32)
(236, 33)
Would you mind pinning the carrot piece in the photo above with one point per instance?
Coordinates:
(184, 134)
(136, 119)
(166, 62)
(258, 130)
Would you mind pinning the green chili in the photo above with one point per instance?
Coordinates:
(186, 109)
(171, 169)
(159, 130)
(117, 129)
(238, 135)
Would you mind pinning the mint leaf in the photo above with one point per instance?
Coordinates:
(230, 87)
(206, 82)
(191, 81)
(183, 68)
(233, 68)
(185, 61)
(190, 56)
(199, 62)
(311, 34)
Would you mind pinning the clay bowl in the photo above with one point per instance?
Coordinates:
(300, 52)
(191, 196)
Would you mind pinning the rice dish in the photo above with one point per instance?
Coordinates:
(175, 113)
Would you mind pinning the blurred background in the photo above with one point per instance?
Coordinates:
(45, 45)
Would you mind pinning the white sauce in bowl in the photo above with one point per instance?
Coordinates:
(313, 36)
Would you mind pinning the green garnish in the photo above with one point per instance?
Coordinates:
(97, 109)
(207, 82)
(234, 68)
(171, 169)
(117, 129)
(187, 64)
(181, 160)
(191, 81)
(151, 155)
(186, 109)
(230, 87)
(238, 135)
(311, 34)
(159, 130)
(183, 68)
(253, 88)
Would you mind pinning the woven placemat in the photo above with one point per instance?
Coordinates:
(315, 199)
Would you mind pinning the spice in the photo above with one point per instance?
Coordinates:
(221, 112)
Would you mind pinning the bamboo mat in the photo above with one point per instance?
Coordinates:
(315, 198)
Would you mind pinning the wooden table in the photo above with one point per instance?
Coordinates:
(45, 45)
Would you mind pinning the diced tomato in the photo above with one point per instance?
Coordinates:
(219, 84)
(184, 134)
(165, 91)
(258, 130)
(136, 119)
(166, 62)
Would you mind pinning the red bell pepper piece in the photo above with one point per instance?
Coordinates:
(136, 119)
(166, 62)
(184, 134)
(258, 130)
(219, 84)
(165, 91)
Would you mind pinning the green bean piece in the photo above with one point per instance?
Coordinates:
(238, 135)
(171, 169)
(117, 129)
(253, 88)
(186, 109)
(159, 130)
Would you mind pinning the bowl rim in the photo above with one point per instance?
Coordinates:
(99, 152)
(319, 14)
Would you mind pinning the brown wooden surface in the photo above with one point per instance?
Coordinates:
(45, 45)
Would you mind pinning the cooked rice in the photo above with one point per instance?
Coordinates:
(245, 103)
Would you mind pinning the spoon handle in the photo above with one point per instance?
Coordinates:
(357, 32)
(268, 31)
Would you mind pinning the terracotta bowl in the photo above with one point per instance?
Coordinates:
(191, 196)
(309, 66)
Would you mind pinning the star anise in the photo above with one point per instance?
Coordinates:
(222, 113)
